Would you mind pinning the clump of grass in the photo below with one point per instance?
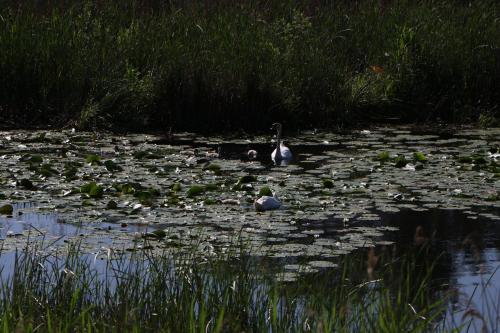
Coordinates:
(191, 64)
(158, 292)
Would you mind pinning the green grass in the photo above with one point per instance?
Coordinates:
(244, 64)
(174, 293)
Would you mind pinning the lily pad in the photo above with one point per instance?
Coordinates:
(195, 190)
(6, 210)
(92, 190)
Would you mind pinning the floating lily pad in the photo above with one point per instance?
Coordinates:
(93, 159)
(419, 157)
(383, 156)
(195, 190)
(6, 210)
(327, 183)
(400, 161)
(265, 191)
(92, 190)
(112, 166)
(27, 184)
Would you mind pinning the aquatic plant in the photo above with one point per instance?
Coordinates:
(160, 292)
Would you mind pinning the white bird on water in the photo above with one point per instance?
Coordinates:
(282, 155)
(267, 203)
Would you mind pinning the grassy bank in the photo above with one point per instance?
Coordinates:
(174, 294)
(189, 65)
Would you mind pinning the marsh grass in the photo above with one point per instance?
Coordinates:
(142, 292)
(210, 66)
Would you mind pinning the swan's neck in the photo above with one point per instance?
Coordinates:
(278, 143)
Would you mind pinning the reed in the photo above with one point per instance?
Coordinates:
(244, 64)
(152, 292)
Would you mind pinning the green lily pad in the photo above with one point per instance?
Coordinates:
(195, 190)
(157, 234)
(265, 191)
(383, 156)
(327, 183)
(247, 179)
(215, 168)
(176, 187)
(6, 210)
(92, 190)
(419, 157)
(112, 166)
(111, 205)
(400, 161)
(27, 184)
(93, 159)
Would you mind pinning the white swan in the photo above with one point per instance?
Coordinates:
(282, 155)
(267, 203)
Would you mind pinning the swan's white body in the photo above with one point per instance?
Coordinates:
(282, 155)
(267, 203)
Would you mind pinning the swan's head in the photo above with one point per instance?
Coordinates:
(252, 154)
(277, 126)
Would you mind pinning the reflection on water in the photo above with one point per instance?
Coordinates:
(468, 261)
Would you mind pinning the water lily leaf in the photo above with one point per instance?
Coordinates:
(265, 191)
(93, 190)
(157, 234)
(27, 184)
(211, 187)
(419, 157)
(215, 168)
(210, 201)
(6, 210)
(112, 166)
(176, 187)
(145, 154)
(195, 190)
(46, 170)
(33, 159)
(400, 161)
(111, 205)
(327, 183)
(383, 156)
(247, 179)
(93, 159)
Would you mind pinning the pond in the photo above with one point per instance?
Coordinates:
(390, 189)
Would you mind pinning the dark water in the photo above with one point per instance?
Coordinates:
(464, 245)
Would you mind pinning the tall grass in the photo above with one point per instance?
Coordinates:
(214, 65)
(174, 293)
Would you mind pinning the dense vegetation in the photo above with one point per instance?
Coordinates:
(178, 294)
(242, 64)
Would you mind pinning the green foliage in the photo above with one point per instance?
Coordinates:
(215, 168)
(265, 190)
(327, 183)
(6, 209)
(111, 166)
(383, 156)
(228, 296)
(419, 157)
(92, 190)
(93, 159)
(161, 64)
(176, 187)
(400, 161)
(195, 190)
(27, 184)
(247, 179)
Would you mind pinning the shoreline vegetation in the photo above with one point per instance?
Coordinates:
(146, 292)
(214, 66)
